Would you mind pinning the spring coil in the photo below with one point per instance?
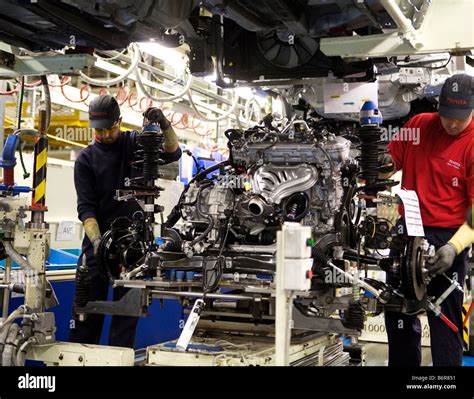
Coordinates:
(82, 287)
(370, 138)
(151, 144)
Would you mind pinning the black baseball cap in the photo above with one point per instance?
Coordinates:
(104, 111)
(456, 98)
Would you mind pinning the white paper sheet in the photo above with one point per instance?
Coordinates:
(413, 219)
(66, 231)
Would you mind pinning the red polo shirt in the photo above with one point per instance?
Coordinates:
(438, 167)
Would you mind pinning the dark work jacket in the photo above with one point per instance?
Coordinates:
(100, 170)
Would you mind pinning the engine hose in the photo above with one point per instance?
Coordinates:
(181, 94)
(204, 234)
(7, 355)
(135, 59)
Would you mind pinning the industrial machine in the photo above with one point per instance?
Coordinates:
(244, 40)
(268, 250)
(219, 250)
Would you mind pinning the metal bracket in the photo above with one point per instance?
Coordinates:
(12, 65)
(330, 325)
(134, 303)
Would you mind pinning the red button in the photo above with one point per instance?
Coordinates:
(309, 274)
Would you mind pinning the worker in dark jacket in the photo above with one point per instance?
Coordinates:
(439, 167)
(99, 171)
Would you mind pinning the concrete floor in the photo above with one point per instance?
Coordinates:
(377, 354)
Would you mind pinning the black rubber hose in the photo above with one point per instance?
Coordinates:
(205, 232)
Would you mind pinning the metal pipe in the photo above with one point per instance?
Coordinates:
(26, 132)
(397, 15)
(47, 103)
(183, 294)
(264, 249)
(6, 291)
(3, 102)
(38, 199)
(351, 278)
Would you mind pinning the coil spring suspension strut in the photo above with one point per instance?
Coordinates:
(370, 151)
(151, 144)
(148, 161)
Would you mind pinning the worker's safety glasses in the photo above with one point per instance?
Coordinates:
(108, 130)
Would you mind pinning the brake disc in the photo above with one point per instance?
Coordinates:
(414, 288)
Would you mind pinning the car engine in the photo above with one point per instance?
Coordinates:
(219, 242)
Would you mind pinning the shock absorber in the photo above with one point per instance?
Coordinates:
(150, 141)
(130, 240)
(370, 135)
(371, 148)
(82, 289)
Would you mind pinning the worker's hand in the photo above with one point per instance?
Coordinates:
(442, 261)
(387, 166)
(95, 244)
(155, 115)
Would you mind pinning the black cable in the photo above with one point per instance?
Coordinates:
(428, 67)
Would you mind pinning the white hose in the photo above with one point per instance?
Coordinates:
(8, 350)
(134, 55)
(247, 114)
(362, 283)
(220, 118)
(21, 353)
(19, 312)
(147, 94)
(16, 257)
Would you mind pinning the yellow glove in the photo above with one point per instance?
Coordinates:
(462, 239)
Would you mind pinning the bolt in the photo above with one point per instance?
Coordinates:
(80, 359)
